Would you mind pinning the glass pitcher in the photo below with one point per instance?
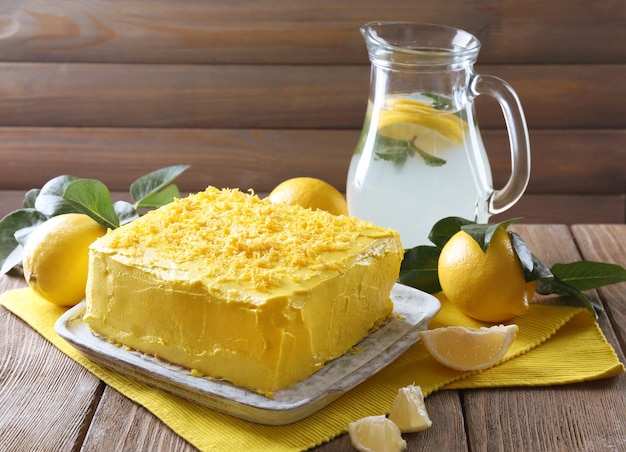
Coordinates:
(420, 156)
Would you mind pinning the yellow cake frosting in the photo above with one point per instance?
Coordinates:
(234, 287)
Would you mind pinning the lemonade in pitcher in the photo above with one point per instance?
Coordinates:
(420, 157)
(420, 165)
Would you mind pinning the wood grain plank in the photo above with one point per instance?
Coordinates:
(563, 162)
(498, 420)
(283, 31)
(121, 424)
(566, 161)
(567, 209)
(290, 96)
(548, 419)
(182, 96)
(594, 246)
(258, 159)
(51, 397)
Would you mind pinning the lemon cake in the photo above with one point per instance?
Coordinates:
(233, 287)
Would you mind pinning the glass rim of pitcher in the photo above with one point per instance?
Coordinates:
(421, 43)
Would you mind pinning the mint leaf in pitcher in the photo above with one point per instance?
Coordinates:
(429, 159)
(393, 150)
(398, 151)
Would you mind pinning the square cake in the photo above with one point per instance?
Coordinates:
(233, 287)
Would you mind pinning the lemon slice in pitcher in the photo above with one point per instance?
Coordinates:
(403, 118)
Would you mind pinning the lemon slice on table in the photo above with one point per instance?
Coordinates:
(376, 434)
(403, 118)
(466, 349)
(408, 411)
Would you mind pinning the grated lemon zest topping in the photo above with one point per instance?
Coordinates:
(233, 236)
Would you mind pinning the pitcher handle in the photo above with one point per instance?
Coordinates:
(503, 199)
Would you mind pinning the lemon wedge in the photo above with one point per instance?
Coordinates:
(466, 349)
(376, 434)
(408, 411)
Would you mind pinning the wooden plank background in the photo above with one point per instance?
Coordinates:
(251, 93)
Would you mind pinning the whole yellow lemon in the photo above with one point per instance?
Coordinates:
(56, 257)
(487, 286)
(310, 193)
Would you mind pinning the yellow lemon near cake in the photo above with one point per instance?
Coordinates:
(310, 193)
(56, 257)
(487, 286)
(466, 349)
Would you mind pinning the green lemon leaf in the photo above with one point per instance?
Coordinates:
(548, 286)
(157, 199)
(523, 254)
(419, 268)
(153, 182)
(13, 259)
(22, 235)
(482, 233)
(125, 211)
(50, 199)
(588, 275)
(533, 268)
(30, 198)
(17, 223)
(445, 228)
(92, 197)
(572, 278)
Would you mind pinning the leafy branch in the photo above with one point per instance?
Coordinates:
(71, 194)
(419, 266)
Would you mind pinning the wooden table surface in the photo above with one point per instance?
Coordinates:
(50, 403)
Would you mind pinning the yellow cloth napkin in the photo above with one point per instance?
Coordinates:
(572, 349)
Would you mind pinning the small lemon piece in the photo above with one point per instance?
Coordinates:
(465, 349)
(310, 193)
(408, 411)
(487, 286)
(376, 434)
(56, 257)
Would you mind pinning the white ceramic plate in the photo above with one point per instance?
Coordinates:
(414, 310)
